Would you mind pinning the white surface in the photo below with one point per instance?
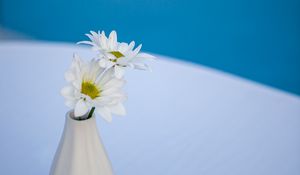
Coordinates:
(182, 119)
(80, 150)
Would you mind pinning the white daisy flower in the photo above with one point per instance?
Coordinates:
(91, 87)
(117, 55)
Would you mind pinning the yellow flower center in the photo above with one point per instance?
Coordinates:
(117, 54)
(90, 89)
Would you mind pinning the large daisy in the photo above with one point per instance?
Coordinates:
(117, 55)
(91, 87)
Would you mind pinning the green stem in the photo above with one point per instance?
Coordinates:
(91, 112)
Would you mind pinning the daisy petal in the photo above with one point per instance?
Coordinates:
(103, 40)
(113, 83)
(94, 34)
(67, 91)
(136, 50)
(110, 91)
(122, 47)
(141, 66)
(105, 77)
(85, 42)
(118, 109)
(104, 113)
(77, 84)
(69, 76)
(91, 37)
(76, 58)
(119, 72)
(70, 103)
(102, 63)
(80, 108)
(131, 45)
(146, 56)
(112, 39)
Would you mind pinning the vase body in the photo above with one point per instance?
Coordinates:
(80, 151)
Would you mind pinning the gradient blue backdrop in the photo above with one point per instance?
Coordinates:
(256, 39)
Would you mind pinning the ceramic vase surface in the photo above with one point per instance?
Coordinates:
(80, 151)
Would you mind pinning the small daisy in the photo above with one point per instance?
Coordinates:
(90, 87)
(117, 55)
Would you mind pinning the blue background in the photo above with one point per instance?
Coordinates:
(256, 39)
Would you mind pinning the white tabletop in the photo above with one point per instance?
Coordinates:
(182, 119)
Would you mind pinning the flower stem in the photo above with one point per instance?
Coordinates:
(91, 112)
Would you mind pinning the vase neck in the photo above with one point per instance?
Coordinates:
(73, 125)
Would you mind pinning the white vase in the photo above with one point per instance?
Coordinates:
(80, 151)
